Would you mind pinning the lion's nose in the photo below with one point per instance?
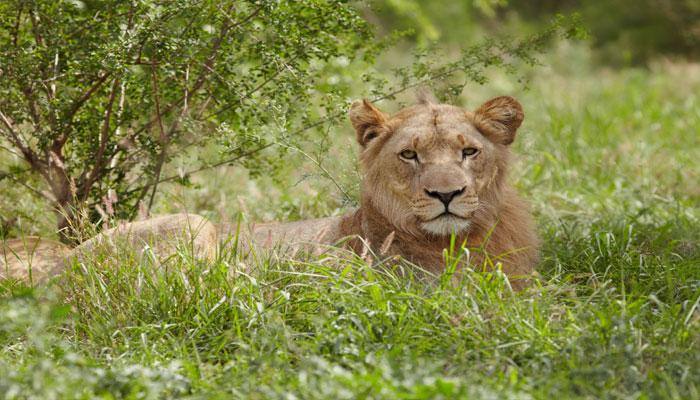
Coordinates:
(444, 197)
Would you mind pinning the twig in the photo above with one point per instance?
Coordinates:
(21, 182)
(201, 79)
(321, 167)
(63, 137)
(104, 138)
(163, 137)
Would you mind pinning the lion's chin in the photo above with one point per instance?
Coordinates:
(446, 225)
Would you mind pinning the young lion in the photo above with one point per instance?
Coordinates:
(430, 171)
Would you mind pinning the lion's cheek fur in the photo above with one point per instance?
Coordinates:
(391, 198)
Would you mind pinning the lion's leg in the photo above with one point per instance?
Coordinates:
(163, 235)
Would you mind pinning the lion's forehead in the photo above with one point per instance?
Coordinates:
(434, 125)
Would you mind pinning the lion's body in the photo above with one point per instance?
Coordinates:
(36, 260)
(299, 234)
(32, 259)
(430, 171)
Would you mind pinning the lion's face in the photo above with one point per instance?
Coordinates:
(429, 167)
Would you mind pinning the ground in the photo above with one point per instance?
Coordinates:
(611, 163)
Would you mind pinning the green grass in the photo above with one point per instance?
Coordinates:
(610, 161)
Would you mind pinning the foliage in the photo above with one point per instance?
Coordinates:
(97, 96)
(610, 166)
(37, 363)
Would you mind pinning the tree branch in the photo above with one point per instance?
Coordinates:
(204, 168)
(21, 182)
(31, 104)
(15, 30)
(39, 39)
(96, 171)
(29, 155)
(252, 91)
(206, 71)
(77, 104)
(163, 138)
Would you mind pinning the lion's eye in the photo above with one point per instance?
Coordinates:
(469, 151)
(409, 155)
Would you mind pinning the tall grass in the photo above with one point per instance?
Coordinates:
(610, 161)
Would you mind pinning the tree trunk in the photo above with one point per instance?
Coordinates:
(64, 204)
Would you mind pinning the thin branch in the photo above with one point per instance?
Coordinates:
(207, 68)
(246, 19)
(8, 124)
(22, 182)
(39, 39)
(205, 167)
(104, 139)
(252, 91)
(187, 92)
(55, 77)
(14, 138)
(320, 166)
(163, 137)
(31, 104)
(35, 28)
(15, 30)
(117, 131)
(11, 151)
(208, 64)
(87, 94)
(61, 140)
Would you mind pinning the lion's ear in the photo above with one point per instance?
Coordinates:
(499, 119)
(367, 121)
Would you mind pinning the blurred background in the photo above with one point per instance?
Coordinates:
(623, 33)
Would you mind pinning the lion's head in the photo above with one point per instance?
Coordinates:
(430, 168)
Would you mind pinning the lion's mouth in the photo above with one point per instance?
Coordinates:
(446, 214)
(445, 224)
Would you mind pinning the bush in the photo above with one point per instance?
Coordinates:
(96, 96)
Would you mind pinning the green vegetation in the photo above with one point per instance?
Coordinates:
(610, 161)
(624, 32)
(96, 97)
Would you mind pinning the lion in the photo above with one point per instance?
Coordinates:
(431, 173)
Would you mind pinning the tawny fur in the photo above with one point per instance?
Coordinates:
(36, 260)
(395, 203)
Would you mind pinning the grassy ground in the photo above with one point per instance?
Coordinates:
(610, 161)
